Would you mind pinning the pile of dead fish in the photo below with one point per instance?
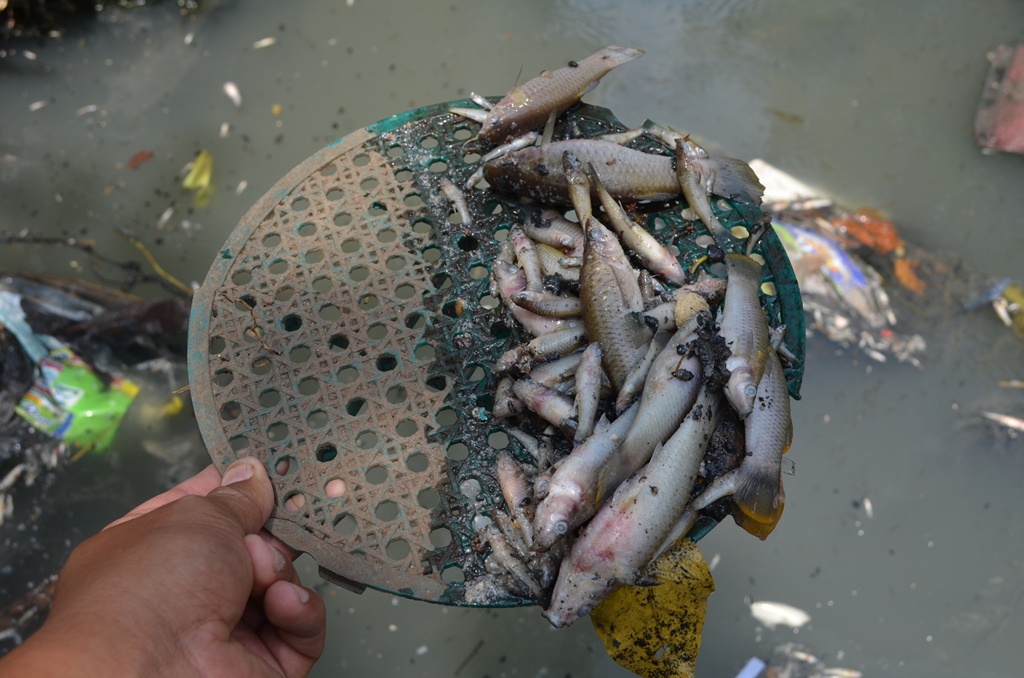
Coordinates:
(633, 367)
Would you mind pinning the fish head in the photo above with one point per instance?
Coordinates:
(556, 516)
(741, 390)
(510, 278)
(576, 594)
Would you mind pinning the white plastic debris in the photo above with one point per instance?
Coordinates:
(37, 105)
(265, 42)
(231, 89)
(771, 614)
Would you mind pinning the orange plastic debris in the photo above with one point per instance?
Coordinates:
(906, 273)
(139, 158)
(868, 228)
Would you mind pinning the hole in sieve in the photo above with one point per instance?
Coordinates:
(422, 226)
(436, 382)
(270, 397)
(278, 266)
(428, 498)
(396, 395)
(322, 285)
(455, 218)
(369, 183)
(489, 302)
(441, 281)
(318, 419)
(277, 431)
(366, 440)
(300, 203)
(339, 342)
(395, 151)
(405, 291)
(454, 308)
(285, 465)
(386, 362)
(326, 452)
(457, 451)
(238, 443)
(261, 365)
(300, 354)
(241, 277)
(447, 417)
(295, 501)
(468, 243)
(429, 142)
(359, 273)
(387, 235)
(376, 475)
(291, 322)
(223, 377)
(271, 240)
(474, 372)
(413, 200)
(498, 440)
(348, 374)
(245, 303)
(768, 289)
(368, 302)
(328, 171)
(424, 352)
(335, 194)
(286, 293)
(462, 133)
(406, 428)
(453, 574)
(357, 406)
(500, 330)
(396, 263)
(351, 246)
(343, 219)
(432, 253)
(438, 166)
(501, 235)
(440, 537)
(345, 524)
(470, 158)
(417, 463)
(398, 549)
(386, 510)
(329, 312)
(314, 256)
(230, 411)
(486, 401)
(217, 344)
(415, 321)
(403, 174)
(479, 272)
(377, 332)
(335, 487)
(377, 209)
(309, 386)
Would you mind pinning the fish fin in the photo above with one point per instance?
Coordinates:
(473, 114)
(759, 494)
(758, 529)
(734, 179)
(639, 331)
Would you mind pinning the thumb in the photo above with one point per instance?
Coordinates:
(246, 494)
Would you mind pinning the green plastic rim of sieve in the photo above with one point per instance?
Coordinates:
(345, 336)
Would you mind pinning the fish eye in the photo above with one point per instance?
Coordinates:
(750, 390)
(585, 610)
(561, 527)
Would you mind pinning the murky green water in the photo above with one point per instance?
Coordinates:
(873, 102)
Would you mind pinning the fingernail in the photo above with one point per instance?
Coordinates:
(303, 594)
(279, 560)
(239, 471)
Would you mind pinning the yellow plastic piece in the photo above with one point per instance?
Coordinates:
(655, 631)
(199, 178)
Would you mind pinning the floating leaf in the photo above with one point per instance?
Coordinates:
(199, 177)
(655, 631)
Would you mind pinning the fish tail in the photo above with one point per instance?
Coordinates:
(618, 54)
(734, 179)
(759, 494)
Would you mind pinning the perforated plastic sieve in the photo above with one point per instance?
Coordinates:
(345, 336)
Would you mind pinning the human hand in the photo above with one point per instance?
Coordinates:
(185, 584)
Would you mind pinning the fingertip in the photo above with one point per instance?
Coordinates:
(246, 493)
(298, 612)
